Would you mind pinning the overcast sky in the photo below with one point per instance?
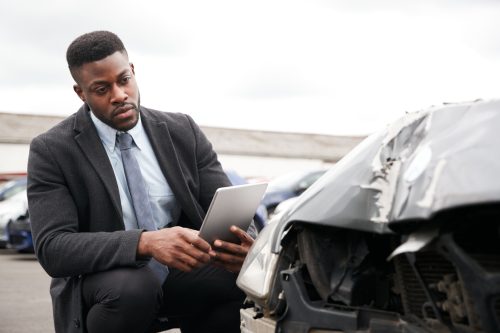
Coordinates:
(334, 67)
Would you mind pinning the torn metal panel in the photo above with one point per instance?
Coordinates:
(401, 141)
(339, 196)
(416, 241)
(384, 186)
(461, 163)
(428, 161)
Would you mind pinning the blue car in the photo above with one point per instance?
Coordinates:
(7, 191)
(288, 186)
(14, 206)
(19, 234)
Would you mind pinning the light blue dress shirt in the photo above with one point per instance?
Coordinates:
(165, 208)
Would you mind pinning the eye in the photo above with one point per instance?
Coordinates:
(126, 79)
(101, 90)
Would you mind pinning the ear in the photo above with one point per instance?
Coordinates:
(79, 92)
(132, 68)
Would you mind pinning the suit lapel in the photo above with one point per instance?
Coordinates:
(88, 140)
(161, 141)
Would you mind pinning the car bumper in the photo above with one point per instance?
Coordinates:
(19, 236)
(251, 324)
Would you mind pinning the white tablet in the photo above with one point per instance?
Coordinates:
(232, 205)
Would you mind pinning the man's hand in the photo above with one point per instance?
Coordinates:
(176, 247)
(230, 255)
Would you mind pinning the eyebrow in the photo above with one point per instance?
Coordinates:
(98, 82)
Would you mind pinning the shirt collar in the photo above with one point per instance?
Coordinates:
(138, 134)
(107, 134)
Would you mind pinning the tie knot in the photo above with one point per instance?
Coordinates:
(124, 141)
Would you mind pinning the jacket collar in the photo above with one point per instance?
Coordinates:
(87, 138)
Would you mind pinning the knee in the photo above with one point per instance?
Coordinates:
(121, 300)
(138, 288)
(129, 288)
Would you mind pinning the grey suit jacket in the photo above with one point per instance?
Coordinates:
(75, 207)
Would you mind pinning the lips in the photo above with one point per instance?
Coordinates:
(124, 112)
(122, 109)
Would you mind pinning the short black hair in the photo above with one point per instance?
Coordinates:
(92, 46)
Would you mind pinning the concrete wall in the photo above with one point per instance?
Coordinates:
(13, 157)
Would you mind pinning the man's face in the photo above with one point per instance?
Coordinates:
(108, 86)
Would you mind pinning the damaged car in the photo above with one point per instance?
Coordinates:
(401, 235)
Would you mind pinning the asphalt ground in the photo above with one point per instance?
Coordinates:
(25, 305)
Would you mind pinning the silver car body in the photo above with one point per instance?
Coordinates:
(428, 162)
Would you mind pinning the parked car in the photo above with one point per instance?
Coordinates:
(12, 187)
(19, 234)
(10, 210)
(402, 235)
(288, 186)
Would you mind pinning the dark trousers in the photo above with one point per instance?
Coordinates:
(129, 299)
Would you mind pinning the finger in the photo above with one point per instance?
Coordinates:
(242, 235)
(190, 250)
(226, 258)
(232, 248)
(182, 266)
(189, 260)
(190, 236)
(198, 242)
(197, 254)
(183, 263)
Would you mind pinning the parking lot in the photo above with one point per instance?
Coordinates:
(24, 292)
(25, 305)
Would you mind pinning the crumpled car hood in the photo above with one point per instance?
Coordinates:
(428, 161)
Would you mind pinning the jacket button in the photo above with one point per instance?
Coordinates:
(77, 323)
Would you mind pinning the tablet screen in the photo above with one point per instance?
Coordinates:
(232, 205)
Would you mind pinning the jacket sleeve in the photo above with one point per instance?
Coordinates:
(62, 249)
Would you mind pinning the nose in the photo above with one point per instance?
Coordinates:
(118, 95)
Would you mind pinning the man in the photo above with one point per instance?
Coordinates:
(108, 271)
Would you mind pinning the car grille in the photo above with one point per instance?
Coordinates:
(454, 302)
(433, 267)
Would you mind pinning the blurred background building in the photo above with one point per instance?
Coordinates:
(253, 154)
